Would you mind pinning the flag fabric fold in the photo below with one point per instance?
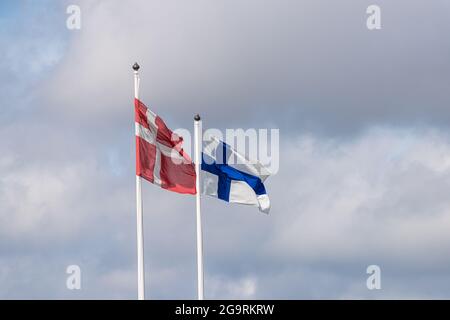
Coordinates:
(160, 158)
(228, 175)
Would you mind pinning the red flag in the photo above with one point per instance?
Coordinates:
(160, 158)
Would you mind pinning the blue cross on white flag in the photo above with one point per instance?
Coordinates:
(230, 176)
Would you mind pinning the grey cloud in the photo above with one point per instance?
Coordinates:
(302, 65)
(340, 203)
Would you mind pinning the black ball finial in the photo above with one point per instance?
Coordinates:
(136, 66)
(197, 117)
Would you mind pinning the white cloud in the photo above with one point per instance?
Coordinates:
(338, 206)
(231, 288)
(379, 199)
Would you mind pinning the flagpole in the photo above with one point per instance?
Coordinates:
(139, 210)
(198, 141)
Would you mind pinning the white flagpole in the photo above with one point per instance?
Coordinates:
(198, 134)
(139, 208)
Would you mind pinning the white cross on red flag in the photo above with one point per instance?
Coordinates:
(160, 158)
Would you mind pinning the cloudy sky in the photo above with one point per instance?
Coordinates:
(364, 124)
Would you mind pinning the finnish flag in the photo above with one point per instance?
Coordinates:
(228, 175)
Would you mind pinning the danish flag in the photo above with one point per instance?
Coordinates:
(160, 158)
